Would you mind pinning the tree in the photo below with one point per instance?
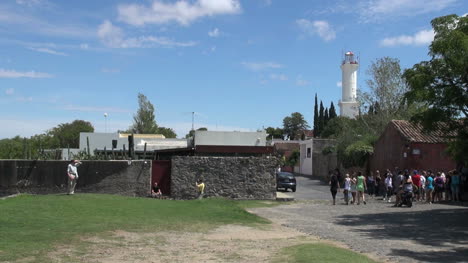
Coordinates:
(67, 134)
(294, 124)
(332, 111)
(326, 118)
(167, 132)
(441, 84)
(192, 132)
(316, 117)
(387, 86)
(144, 120)
(321, 120)
(274, 133)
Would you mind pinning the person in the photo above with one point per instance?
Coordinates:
(406, 189)
(334, 186)
(448, 187)
(361, 187)
(455, 185)
(417, 182)
(400, 178)
(422, 190)
(201, 188)
(353, 187)
(72, 172)
(156, 191)
(347, 188)
(388, 187)
(370, 185)
(429, 187)
(378, 183)
(439, 187)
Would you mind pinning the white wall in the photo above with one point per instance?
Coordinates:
(230, 138)
(305, 159)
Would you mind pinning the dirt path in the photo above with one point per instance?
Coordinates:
(230, 243)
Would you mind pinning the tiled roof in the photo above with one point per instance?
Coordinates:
(414, 133)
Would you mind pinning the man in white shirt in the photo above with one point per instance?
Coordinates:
(72, 172)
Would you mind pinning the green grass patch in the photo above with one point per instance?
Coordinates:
(319, 252)
(30, 226)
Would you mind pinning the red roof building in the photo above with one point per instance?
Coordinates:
(406, 145)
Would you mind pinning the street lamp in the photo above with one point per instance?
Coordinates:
(105, 121)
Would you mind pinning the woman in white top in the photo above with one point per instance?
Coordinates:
(388, 187)
(347, 188)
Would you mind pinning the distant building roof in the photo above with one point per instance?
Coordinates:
(145, 136)
(414, 132)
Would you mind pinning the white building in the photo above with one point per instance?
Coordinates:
(349, 106)
(305, 162)
(230, 138)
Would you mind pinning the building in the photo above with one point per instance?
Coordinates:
(349, 106)
(405, 145)
(305, 160)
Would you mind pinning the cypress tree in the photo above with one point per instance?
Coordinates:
(326, 118)
(316, 117)
(321, 120)
(332, 111)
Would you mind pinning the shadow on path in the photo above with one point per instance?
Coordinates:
(444, 229)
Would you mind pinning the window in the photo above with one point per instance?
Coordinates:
(416, 151)
(308, 152)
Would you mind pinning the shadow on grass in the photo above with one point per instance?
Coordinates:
(445, 229)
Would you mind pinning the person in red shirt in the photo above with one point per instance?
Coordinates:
(417, 182)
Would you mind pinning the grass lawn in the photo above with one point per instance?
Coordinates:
(319, 252)
(32, 225)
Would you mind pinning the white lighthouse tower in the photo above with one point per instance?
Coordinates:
(349, 106)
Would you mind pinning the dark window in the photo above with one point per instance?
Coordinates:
(308, 152)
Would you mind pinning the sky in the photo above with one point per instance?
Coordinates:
(240, 65)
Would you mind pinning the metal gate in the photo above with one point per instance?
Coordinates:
(161, 173)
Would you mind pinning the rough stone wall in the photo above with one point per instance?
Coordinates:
(230, 177)
(43, 177)
(322, 163)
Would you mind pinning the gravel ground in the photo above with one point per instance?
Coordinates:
(423, 233)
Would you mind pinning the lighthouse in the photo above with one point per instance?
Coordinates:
(349, 106)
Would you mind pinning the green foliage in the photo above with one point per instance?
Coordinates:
(144, 120)
(32, 226)
(167, 132)
(357, 153)
(293, 158)
(192, 132)
(332, 111)
(294, 124)
(11, 148)
(441, 84)
(274, 133)
(319, 252)
(68, 134)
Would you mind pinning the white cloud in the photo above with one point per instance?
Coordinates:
(267, 2)
(31, 2)
(113, 36)
(24, 99)
(5, 73)
(319, 27)
(339, 84)
(10, 91)
(301, 82)
(34, 25)
(423, 37)
(48, 51)
(183, 12)
(281, 77)
(95, 109)
(214, 33)
(259, 66)
(375, 10)
(84, 46)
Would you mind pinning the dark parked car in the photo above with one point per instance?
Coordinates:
(285, 180)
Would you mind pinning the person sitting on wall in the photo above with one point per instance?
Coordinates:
(201, 188)
(156, 191)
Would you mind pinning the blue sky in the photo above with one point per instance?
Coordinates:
(240, 65)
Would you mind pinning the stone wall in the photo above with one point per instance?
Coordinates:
(43, 177)
(322, 163)
(230, 177)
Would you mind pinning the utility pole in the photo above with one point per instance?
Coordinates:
(193, 118)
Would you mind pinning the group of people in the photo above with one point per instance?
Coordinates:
(420, 186)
